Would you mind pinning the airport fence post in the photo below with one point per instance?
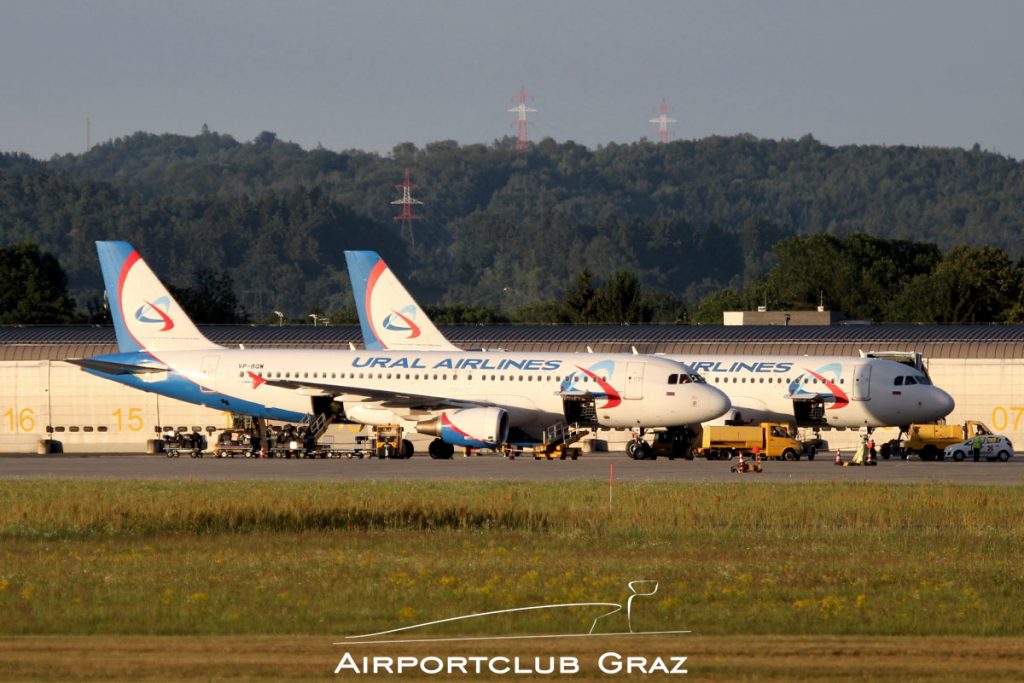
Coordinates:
(611, 482)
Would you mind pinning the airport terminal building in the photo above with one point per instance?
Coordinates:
(981, 366)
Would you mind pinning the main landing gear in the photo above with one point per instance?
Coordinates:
(439, 450)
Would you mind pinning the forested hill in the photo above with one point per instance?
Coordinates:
(499, 228)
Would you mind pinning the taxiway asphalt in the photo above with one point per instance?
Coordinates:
(593, 467)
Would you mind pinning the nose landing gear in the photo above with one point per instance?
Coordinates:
(638, 449)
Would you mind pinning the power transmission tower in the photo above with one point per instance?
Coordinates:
(406, 202)
(663, 120)
(522, 142)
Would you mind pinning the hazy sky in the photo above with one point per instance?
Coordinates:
(368, 75)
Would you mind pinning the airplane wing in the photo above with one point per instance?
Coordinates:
(112, 368)
(387, 399)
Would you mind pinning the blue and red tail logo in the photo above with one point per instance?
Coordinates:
(832, 393)
(599, 374)
(155, 312)
(402, 321)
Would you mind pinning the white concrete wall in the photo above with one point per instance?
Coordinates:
(988, 390)
(88, 414)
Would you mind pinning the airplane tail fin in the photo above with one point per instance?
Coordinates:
(146, 316)
(388, 315)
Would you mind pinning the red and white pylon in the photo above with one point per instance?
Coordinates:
(522, 142)
(663, 120)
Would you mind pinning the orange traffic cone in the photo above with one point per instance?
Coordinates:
(839, 458)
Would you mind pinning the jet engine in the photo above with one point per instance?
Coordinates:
(471, 427)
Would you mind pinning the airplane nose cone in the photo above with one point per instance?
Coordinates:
(942, 401)
(714, 402)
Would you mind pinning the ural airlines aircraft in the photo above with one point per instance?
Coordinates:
(820, 392)
(462, 398)
(825, 391)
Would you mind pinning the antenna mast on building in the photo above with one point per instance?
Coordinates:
(522, 143)
(663, 120)
(406, 202)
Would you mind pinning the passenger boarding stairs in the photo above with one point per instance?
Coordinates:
(557, 439)
(317, 424)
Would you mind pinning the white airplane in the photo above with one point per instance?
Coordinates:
(463, 398)
(824, 392)
(819, 392)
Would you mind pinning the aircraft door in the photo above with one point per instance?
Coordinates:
(209, 370)
(634, 381)
(580, 410)
(809, 412)
(861, 383)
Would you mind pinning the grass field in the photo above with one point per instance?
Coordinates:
(204, 567)
(881, 659)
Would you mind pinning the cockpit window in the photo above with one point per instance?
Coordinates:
(924, 380)
(898, 381)
(684, 378)
(911, 380)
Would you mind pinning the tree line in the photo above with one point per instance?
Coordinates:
(662, 231)
(864, 277)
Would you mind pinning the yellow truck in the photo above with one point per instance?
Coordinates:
(774, 440)
(929, 440)
(388, 442)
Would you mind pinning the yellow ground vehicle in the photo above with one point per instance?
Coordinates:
(774, 440)
(928, 441)
(389, 442)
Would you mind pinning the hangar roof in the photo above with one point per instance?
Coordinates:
(933, 341)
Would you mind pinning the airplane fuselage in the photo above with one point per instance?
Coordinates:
(626, 391)
(823, 391)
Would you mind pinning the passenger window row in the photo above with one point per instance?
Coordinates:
(681, 378)
(443, 377)
(769, 380)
